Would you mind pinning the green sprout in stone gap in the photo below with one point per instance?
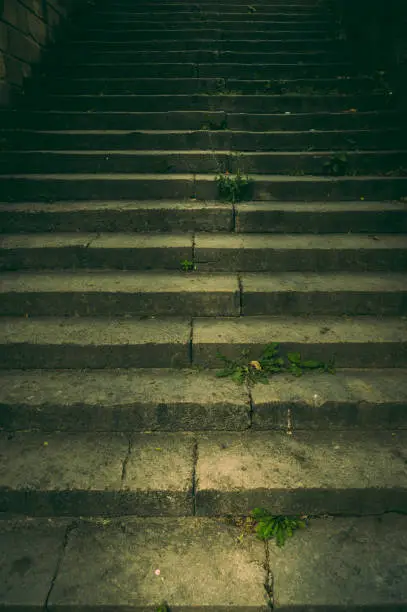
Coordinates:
(244, 370)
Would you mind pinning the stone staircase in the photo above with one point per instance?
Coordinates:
(124, 461)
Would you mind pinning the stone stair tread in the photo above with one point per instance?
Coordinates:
(353, 559)
(188, 400)
(202, 152)
(306, 471)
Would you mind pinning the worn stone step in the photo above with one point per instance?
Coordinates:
(196, 120)
(72, 343)
(71, 52)
(208, 135)
(367, 342)
(136, 251)
(192, 400)
(349, 293)
(127, 36)
(164, 9)
(190, 84)
(231, 102)
(301, 163)
(76, 343)
(124, 294)
(186, 16)
(132, 216)
(299, 253)
(317, 218)
(216, 474)
(263, 187)
(364, 562)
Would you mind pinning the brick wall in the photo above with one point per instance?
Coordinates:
(26, 28)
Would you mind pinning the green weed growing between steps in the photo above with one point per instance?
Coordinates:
(270, 362)
(233, 188)
(268, 526)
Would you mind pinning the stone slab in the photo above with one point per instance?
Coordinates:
(119, 294)
(47, 474)
(305, 472)
(339, 565)
(29, 553)
(354, 342)
(326, 294)
(121, 400)
(352, 399)
(201, 567)
(27, 343)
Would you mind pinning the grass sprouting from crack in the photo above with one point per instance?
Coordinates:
(243, 370)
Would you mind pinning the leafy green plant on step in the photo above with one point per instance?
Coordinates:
(252, 9)
(163, 607)
(249, 372)
(279, 527)
(213, 127)
(337, 165)
(233, 188)
(187, 265)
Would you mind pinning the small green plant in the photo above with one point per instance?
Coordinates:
(163, 607)
(212, 127)
(243, 371)
(232, 188)
(188, 265)
(337, 165)
(279, 527)
(252, 9)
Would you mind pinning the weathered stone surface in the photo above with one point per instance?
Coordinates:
(354, 342)
(29, 553)
(93, 343)
(311, 472)
(343, 564)
(46, 474)
(201, 567)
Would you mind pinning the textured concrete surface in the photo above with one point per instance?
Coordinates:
(201, 567)
(93, 343)
(343, 564)
(352, 341)
(47, 474)
(125, 400)
(312, 472)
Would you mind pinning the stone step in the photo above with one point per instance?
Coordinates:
(130, 294)
(127, 36)
(221, 28)
(211, 85)
(154, 294)
(316, 218)
(226, 11)
(188, 16)
(294, 253)
(263, 187)
(196, 120)
(161, 216)
(72, 51)
(363, 562)
(216, 474)
(95, 343)
(145, 216)
(300, 163)
(203, 139)
(229, 102)
(192, 400)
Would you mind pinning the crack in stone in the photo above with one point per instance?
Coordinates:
(269, 579)
(194, 478)
(69, 529)
(125, 462)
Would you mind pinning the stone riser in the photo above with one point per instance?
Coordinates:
(187, 400)
(127, 36)
(195, 120)
(49, 188)
(39, 162)
(212, 86)
(356, 217)
(205, 140)
(226, 102)
(202, 487)
(95, 343)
